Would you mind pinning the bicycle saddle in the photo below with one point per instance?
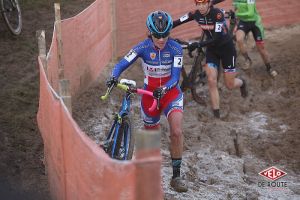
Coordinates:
(128, 82)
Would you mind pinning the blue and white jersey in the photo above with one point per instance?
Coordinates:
(161, 67)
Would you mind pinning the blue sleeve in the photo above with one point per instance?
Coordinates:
(176, 68)
(175, 76)
(125, 62)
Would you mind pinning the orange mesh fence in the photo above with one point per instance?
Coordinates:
(49, 122)
(87, 44)
(77, 167)
(91, 174)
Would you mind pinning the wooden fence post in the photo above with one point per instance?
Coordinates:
(64, 84)
(148, 158)
(40, 34)
(114, 30)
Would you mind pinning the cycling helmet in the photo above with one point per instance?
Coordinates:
(159, 23)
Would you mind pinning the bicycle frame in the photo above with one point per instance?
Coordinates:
(124, 111)
(122, 123)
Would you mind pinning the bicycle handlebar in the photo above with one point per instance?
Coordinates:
(185, 44)
(230, 15)
(132, 90)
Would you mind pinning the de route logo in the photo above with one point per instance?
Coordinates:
(272, 174)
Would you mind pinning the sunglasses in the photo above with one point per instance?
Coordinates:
(158, 36)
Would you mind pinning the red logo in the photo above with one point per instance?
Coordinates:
(272, 173)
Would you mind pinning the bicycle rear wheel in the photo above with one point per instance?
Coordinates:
(123, 149)
(11, 12)
(199, 87)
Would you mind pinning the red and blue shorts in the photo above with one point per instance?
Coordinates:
(172, 101)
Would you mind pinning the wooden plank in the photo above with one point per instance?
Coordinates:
(114, 30)
(61, 74)
(40, 34)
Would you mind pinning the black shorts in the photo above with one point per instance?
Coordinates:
(225, 53)
(256, 29)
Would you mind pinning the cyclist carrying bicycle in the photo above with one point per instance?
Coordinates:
(161, 59)
(250, 20)
(220, 47)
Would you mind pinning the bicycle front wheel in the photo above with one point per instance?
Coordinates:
(11, 12)
(125, 140)
(199, 82)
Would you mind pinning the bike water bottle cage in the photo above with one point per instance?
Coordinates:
(159, 24)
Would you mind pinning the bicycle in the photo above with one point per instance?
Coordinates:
(195, 79)
(11, 12)
(119, 142)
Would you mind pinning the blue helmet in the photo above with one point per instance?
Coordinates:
(159, 23)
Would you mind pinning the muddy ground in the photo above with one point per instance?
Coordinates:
(21, 148)
(222, 158)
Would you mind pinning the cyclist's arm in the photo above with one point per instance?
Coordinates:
(176, 70)
(184, 19)
(250, 5)
(125, 62)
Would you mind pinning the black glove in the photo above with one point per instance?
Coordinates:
(111, 82)
(191, 47)
(158, 93)
(232, 14)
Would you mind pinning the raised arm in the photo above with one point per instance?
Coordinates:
(184, 19)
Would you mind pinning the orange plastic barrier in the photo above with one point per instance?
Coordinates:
(77, 167)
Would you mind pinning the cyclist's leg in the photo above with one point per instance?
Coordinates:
(173, 111)
(211, 70)
(228, 58)
(151, 119)
(240, 36)
(242, 31)
(258, 34)
(174, 114)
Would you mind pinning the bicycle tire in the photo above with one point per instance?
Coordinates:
(198, 81)
(9, 8)
(125, 130)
